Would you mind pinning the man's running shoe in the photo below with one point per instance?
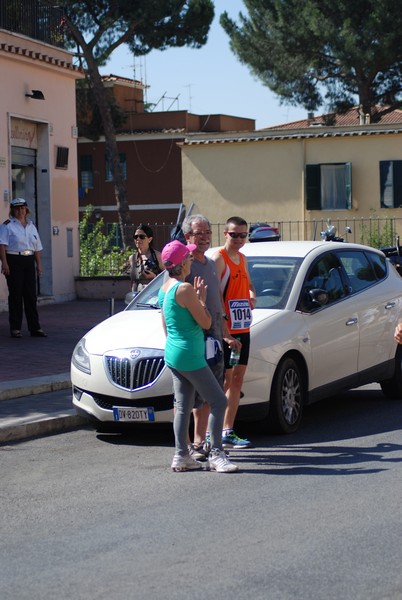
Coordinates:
(198, 452)
(185, 463)
(219, 462)
(231, 440)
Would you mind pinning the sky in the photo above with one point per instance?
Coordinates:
(209, 80)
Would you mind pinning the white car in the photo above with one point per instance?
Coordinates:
(324, 322)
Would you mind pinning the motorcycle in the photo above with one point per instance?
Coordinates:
(329, 235)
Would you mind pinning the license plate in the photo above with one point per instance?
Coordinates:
(131, 415)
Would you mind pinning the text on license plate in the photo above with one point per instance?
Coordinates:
(133, 414)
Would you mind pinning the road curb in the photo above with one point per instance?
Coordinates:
(45, 425)
(37, 385)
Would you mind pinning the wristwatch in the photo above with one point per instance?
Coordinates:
(225, 317)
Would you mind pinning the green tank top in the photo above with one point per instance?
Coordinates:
(185, 344)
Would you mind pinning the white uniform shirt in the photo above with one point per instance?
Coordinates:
(18, 238)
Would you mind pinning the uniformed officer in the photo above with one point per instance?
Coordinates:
(20, 255)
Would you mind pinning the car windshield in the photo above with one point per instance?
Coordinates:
(148, 297)
(264, 233)
(272, 276)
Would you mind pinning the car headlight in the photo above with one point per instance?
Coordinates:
(80, 358)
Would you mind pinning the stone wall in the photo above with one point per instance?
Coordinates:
(102, 288)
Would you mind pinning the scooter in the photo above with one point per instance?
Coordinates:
(329, 235)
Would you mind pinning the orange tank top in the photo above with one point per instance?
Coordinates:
(236, 294)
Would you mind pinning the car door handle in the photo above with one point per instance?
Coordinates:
(390, 305)
(351, 321)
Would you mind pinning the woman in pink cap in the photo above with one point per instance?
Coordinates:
(185, 316)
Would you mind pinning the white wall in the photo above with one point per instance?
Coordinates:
(42, 67)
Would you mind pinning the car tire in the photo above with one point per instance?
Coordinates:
(287, 397)
(392, 388)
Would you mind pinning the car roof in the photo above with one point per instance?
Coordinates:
(294, 249)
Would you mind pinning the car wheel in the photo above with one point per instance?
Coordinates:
(287, 397)
(392, 388)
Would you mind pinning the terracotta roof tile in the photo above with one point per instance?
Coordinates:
(383, 115)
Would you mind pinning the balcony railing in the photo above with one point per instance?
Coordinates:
(35, 19)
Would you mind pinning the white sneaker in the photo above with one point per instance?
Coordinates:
(219, 462)
(184, 463)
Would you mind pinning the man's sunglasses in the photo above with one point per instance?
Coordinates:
(235, 235)
(198, 233)
(141, 236)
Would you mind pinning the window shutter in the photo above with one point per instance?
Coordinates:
(397, 165)
(313, 187)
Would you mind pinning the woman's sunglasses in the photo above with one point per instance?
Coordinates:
(235, 235)
(141, 236)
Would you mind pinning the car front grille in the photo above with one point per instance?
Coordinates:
(159, 403)
(134, 373)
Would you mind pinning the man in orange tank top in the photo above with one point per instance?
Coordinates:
(240, 299)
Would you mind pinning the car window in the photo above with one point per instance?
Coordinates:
(273, 278)
(360, 271)
(379, 264)
(325, 274)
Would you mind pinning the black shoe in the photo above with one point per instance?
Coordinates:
(15, 333)
(38, 333)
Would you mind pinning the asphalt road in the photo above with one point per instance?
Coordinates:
(314, 515)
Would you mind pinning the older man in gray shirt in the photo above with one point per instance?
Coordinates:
(197, 230)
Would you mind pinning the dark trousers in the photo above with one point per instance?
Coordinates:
(22, 292)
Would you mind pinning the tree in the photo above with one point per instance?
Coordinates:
(97, 27)
(319, 52)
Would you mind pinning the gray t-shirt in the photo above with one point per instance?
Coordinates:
(207, 271)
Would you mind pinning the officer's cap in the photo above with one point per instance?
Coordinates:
(18, 202)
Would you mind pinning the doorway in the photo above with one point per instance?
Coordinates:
(23, 182)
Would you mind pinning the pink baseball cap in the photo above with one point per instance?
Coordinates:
(175, 252)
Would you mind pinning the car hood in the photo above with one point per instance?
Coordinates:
(127, 329)
(139, 328)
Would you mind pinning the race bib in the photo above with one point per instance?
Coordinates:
(240, 314)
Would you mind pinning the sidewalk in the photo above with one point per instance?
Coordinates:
(30, 368)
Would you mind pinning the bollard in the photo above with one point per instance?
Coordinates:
(111, 307)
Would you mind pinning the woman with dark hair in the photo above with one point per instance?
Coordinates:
(146, 263)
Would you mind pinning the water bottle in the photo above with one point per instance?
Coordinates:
(234, 357)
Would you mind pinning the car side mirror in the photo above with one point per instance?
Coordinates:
(313, 299)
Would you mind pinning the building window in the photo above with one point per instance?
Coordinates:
(123, 164)
(391, 183)
(86, 172)
(113, 230)
(61, 157)
(329, 186)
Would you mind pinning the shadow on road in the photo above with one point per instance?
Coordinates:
(157, 434)
(316, 449)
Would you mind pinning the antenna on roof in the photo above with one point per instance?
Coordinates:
(189, 85)
(163, 97)
(174, 100)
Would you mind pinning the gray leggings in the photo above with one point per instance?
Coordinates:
(185, 384)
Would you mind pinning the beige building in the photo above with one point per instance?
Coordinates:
(292, 177)
(38, 141)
